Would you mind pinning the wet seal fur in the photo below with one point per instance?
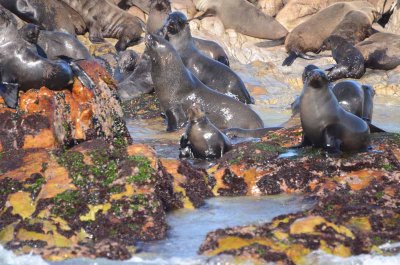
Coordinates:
(52, 15)
(350, 61)
(21, 64)
(202, 139)
(244, 18)
(54, 45)
(309, 35)
(178, 89)
(210, 72)
(159, 11)
(106, 20)
(325, 123)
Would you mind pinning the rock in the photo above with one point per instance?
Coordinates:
(357, 198)
(271, 8)
(94, 200)
(51, 119)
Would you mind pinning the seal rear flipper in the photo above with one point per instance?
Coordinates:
(374, 129)
(176, 118)
(9, 92)
(290, 59)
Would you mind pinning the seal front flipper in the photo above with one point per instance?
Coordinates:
(176, 118)
(304, 142)
(82, 76)
(95, 35)
(330, 143)
(9, 92)
(373, 128)
(293, 56)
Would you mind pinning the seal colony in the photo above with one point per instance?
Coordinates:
(191, 77)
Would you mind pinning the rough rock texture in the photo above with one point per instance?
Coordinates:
(50, 119)
(358, 198)
(93, 200)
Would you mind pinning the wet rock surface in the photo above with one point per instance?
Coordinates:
(357, 199)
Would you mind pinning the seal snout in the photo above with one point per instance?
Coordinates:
(176, 21)
(150, 40)
(317, 78)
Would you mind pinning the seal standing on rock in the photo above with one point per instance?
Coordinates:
(105, 19)
(350, 61)
(244, 18)
(212, 73)
(50, 15)
(178, 89)
(325, 123)
(202, 139)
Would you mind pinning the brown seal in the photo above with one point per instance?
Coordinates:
(308, 36)
(244, 18)
(106, 20)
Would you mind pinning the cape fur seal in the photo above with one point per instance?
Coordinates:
(21, 64)
(178, 89)
(202, 139)
(350, 61)
(244, 18)
(52, 15)
(309, 35)
(325, 123)
(212, 73)
(381, 51)
(105, 20)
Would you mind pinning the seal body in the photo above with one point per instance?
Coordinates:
(309, 35)
(210, 72)
(325, 123)
(177, 89)
(202, 139)
(104, 19)
(62, 18)
(251, 21)
(350, 61)
(381, 51)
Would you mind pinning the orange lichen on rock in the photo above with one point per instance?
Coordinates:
(44, 139)
(358, 180)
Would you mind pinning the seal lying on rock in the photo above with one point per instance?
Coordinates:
(54, 45)
(212, 73)
(159, 11)
(202, 139)
(52, 15)
(177, 89)
(21, 64)
(350, 61)
(104, 19)
(325, 123)
(244, 18)
(309, 36)
(381, 51)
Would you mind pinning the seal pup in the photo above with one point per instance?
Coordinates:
(52, 15)
(309, 35)
(381, 51)
(325, 123)
(350, 61)
(244, 18)
(210, 72)
(54, 45)
(178, 89)
(202, 139)
(106, 20)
